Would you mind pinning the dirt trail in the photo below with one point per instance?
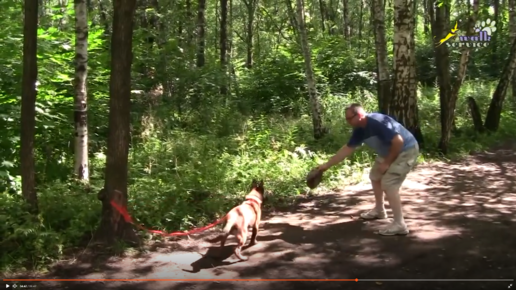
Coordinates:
(461, 217)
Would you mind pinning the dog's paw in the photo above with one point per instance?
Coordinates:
(242, 258)
(252, 243)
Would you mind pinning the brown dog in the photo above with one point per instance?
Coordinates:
(238, 219)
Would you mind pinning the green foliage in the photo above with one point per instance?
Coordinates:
(193, 151)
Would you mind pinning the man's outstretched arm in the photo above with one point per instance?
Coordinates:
(343, 152)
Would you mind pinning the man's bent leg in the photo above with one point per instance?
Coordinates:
(378, 212)
(391, 184)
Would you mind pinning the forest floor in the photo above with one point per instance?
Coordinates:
(461, 216)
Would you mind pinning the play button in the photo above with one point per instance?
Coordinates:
(6, 285)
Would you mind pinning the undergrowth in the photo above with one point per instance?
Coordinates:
(181, 178)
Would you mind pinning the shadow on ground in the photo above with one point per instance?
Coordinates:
(462, 222)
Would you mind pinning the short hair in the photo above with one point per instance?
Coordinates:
(354, 108)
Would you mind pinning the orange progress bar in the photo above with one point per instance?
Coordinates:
(179, 280)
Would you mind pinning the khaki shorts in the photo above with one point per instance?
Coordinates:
(397, 172)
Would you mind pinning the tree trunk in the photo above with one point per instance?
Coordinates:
(201, 38)
(81, 97)
(404, 99)
(321, 10)
(426, 17)
(494, 37)
(292, 18)
(474, 111)
(331, 15)
(512, 32)
(495, 108)
(28, 103)
(233, 77)
(414, 15)
(360, 20)
(251, 8)
(104, 18)
(257, 44)
(190, 32)
(382, 63)
(440, 23)
(345, 19)
(224, 44)
(112, 226)
(315, 103)
(450, 101)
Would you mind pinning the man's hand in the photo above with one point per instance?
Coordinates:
(383, 167)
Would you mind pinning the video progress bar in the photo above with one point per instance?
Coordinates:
(259, 280)
(436, 280)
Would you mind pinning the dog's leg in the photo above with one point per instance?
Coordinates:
(253, 236)
(242, 238)
(223, 241)
(256, 227)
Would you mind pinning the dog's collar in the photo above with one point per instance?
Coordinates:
(254, 199)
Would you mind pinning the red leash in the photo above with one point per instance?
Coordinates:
(129, 219)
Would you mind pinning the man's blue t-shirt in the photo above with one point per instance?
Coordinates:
(378, 133)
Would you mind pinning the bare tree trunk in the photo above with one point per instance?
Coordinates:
(426, 17)
(251, 8)
(292, 17)
(28, 103)
(360, 19)
(404, 100)
(494, 37)
(382, 63)
(440, 23)
(315, 103)
(191, 30)
(474, 111)
(451, 100)
(512, 32)
(233, 77)
(331, 15)
(81, 97)
(224, 44)
(257, 44)
(104, 18)
(321, 10)
(345, 19)
(495, 108)
(201, 38)
(112, 226)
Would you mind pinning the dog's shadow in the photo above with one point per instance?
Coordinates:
(215, 257)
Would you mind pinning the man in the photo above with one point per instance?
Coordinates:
(397, 151)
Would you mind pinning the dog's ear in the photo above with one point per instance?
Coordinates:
(254, 183)
(261, 183)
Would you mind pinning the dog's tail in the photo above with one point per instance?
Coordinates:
(230, 221)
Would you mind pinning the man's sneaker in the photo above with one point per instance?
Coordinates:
(394, 229)
(374, 214)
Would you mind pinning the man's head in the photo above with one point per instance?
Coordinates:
(355, 115)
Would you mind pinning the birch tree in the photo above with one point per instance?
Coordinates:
(382, 63)
(404, 99)
(81, 97)
(315, 103)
